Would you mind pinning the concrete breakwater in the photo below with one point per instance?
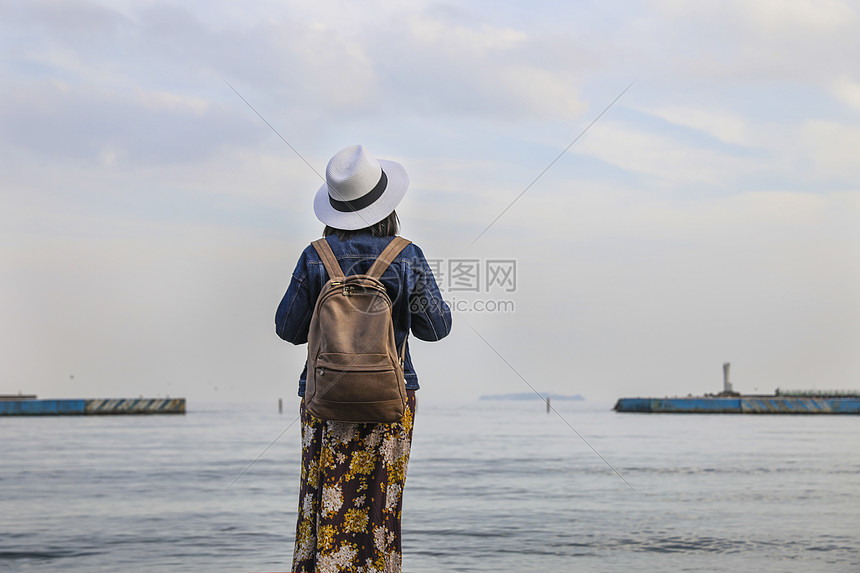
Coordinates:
(744, 404)
(730, 402)
(91, 407)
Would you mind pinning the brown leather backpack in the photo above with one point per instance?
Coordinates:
(355, 373)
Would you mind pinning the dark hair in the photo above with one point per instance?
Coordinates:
(387, 227)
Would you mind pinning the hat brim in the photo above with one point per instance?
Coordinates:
(398, 182)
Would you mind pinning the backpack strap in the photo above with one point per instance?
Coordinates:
(403, 351)
(387, 256)
(329, 261)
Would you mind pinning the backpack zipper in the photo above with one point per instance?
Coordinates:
(349, 290)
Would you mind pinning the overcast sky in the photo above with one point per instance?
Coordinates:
(150, 221)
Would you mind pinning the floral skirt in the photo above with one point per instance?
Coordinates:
(350, 497)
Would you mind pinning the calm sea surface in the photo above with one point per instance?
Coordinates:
(492, 486)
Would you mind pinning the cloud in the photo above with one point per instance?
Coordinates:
(659, 155)
(138, 126)
(833, 148)
(806, 149)
(67, 21)
(456, 39)
(802, 41)
(848, 91)
(794, 16)
(724, 125)
(406, 61)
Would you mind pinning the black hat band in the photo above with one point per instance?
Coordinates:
(364, 201)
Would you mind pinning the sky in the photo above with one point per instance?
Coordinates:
(150, 219)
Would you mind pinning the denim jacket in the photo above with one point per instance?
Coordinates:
(415, 297)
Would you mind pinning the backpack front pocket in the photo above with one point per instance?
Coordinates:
(357, 378)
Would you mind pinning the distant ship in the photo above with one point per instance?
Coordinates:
(730, 402)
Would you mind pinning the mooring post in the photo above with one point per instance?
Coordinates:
(547, 405)
(280, 406)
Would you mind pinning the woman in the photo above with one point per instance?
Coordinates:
(353, 474)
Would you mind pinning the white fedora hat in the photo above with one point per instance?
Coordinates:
(360, 190)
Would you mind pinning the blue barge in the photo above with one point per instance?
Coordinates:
(730, 402)
(29, 406)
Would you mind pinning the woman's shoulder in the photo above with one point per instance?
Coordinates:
(412, 252)
(412, 247)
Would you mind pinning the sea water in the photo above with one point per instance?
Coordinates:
(492, 486)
